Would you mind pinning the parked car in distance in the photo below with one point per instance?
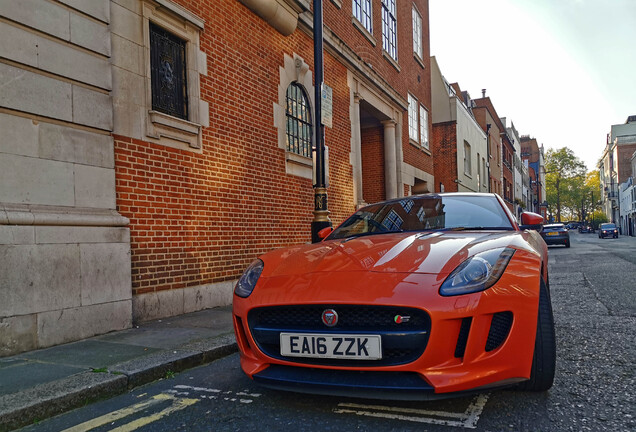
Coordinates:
(607, 230)
(556, 234)
(573, 225)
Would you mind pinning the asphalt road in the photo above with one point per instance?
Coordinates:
(593, 288)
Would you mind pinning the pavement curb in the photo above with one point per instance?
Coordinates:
(54, 398)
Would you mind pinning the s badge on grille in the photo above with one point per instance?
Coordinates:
(399, 319)
(329, 317)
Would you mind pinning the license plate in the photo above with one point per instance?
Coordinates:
(342, 346)
(553, 233)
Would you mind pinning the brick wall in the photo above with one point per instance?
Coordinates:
(202, 218)
(444, 147)
(373, 187)
(625, 152)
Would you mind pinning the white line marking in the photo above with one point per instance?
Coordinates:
(402, 417)
(203, 389)
(474, 410)
(461, 416)
(468, 419)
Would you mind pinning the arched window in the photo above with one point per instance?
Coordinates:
(298, 115)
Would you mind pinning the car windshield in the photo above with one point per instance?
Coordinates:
(426, 213)
(608, 226)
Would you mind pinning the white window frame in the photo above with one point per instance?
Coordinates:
(468, 169)
(414, 129)
(417, 33)
(424, 127)
(363, 6)
(389, 28)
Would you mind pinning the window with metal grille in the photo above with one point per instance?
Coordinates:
(168, 73)
(389, 28)
(298, 128)
(362, 12)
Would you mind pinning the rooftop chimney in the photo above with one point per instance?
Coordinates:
(483, 92)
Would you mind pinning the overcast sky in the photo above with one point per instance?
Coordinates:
(563, 71)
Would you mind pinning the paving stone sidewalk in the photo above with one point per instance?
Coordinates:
(43, 383)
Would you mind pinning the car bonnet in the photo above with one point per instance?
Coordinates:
(427, 253)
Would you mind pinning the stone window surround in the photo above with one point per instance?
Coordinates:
(166, 129)
(295, 69)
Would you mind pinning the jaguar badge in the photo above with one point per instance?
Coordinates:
(329, 317)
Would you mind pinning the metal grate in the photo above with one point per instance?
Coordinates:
(306, 317)
(401, 342)
(499, 330)
(168, 73)
(462, 339)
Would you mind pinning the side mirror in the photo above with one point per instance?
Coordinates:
(531, 221)
(323, 233)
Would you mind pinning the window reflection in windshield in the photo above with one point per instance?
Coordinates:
(427, 212)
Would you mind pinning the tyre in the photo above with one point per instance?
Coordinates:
(567, 244)
(544, 358)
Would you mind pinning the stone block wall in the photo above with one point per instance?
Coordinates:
(64, 249)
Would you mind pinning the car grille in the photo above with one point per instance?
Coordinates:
(401, 343)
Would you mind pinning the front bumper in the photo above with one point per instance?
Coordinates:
(604, 234)
(556, 239)
(456, 358)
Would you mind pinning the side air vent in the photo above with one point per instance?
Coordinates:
(499, 330)
(460, 348)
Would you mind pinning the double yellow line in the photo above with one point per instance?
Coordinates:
(175, 405)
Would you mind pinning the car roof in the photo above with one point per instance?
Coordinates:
(557, 225)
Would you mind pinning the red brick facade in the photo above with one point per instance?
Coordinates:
(200, 218)
(625, 153)
(374, 188)
(444, 147)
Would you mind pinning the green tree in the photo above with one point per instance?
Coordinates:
(565, 176)
(591, 194)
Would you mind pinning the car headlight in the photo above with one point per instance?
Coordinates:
(247, 281)
(477, 273)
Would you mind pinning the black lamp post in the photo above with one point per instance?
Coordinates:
(321, 212)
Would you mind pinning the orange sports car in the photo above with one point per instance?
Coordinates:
(414, 298)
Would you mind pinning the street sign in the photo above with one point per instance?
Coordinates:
(327, 106)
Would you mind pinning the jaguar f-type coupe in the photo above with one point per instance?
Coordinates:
(420, 297)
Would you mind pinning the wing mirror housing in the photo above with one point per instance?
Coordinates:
(323, 233)
(531, 221)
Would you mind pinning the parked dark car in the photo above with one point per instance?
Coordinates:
(607, 230)
(556, 234)
(573, 225)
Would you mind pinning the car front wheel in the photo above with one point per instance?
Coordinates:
(544, 358)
